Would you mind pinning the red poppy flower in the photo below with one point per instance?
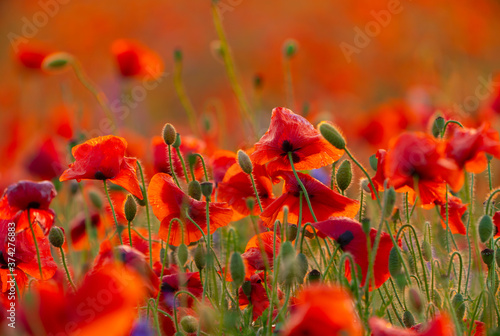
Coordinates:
(455, 212)
(323, 310)
(105, 303)
(253, 255)
(78, 230)
(140, 242)
(175, 281)
(45, 163)
(135, 59)
(103, 158)
(258, 296)
(419, 156)
(467, 148)
(169, 202)
(349, 234)
(236, 187)
(291, 133)
(439, 326)
(31, 56)
(325, 202)
(221, 160)
(496, 221)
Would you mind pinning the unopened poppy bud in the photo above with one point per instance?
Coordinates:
(394, 263)
(73, 187)
(489, 157)
(497, 257)
(344, 175)
(365, 185)
(291, 233)
(95, 199)
(57, 61)
(189, 324)
(141, 202)
(289, 48)
(237, 269)
(485, 228)
(366, 225)
(130, 208)
(247, 289)
(438, 126)
(314, 276)
(56, 236)
(436, 298)
(301, 267)
(200, 259)
(426, 250)
(408, 319)
(250, 203)
(258, 81)
(177, 55)
(194, 190)
(415, 300)
(458, 304)
(169, 134)
(245, 162)
(217, 50)
(390, 201)
(332, 135)
(373, 162)
(207, 188)
(177, 142)
(182, 254)
(487, 256)
(287, 251)
(192, 160)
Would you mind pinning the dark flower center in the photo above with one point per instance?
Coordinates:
(287, 147)
(345, 238)
(99, 175)
(33, 205)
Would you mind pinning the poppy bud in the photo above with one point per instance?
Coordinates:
(130, 208)
(164, 256)
(257, 81)
(408, 319)
(247, 289)
(487, 256)
(438, 126)
(485, 228)
(237, 269)
(365, 185)
(182, 254)
(245, 162)
(177, 55)
(497, 256)
(489, 157)
(332, 135)
(192, 160)
(314, 276)
(289, 48)
(189, 324)
(415, 300)
(390, 201)
(57, 61)
(436, 298)
(394, 263)
(200, 259)
(95, 199)
(194, 190)
(366, 225)
(169, 134)
(291, 233)
(177, 142)
(301, 267)
(206, 189)
(287, 251)
(250, 203)
(56, 236)
(344, 175)
(459, 306)
(73, 187)
(373, 162)
(141, 202)
(426, 250)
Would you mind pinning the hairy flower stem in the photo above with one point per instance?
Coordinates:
(113, 212)
(36, 246)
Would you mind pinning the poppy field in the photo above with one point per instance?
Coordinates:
(249, 168)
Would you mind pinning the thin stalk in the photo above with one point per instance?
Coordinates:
(36, 245)
(113, 211)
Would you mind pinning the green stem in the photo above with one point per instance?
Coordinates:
(179, 155)
(172, 168)
(256, 193)
(290, 158)
(183, 97)
(147, 215)
(63, 258)
(36, 245)
(113, 212)
(367, 176)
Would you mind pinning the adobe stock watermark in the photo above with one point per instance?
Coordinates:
(32, 25)
(363, 37)
(484, 89)
(224, 6)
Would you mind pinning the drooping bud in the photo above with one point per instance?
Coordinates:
(247, 289)
(177, 55)
(344, 175)
(290, 48)
(207, 188)
(182, 254)
(237, 269)
(458, 304)
(390, 201)
(130, 208)
(436, 298)
(95, 199)
(408, 319)
(438, 126)
(373, 162)
(426, 250)
(57, 61)
(244, 162)
(189, 324)
(291, 233)
(485, 228)
(415, 300)
(497, 257)
(332, 135)
(487, 256)
(365, 185)
(194, 190)
(200, 257)
(250, 203)
(394, 263)
(301, 267)
(314, 276)
(177, 143)
(366, 225)
(169, 134)
(191, 159)
(258, 81)
(56, 236)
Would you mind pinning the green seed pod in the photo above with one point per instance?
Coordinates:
(314, 276)
(130, 208)
(408, 319)
(344, 175)
(163, 255)
(200, 257)
(57, 61)
(237, 269)
(247, 289)
(373, 162)
(182, 254)
(258, 81)
(415, 300)
(332, 135)
(250, 203)
(244, 162)
(426, 250)
(189, 324)
(436, 298)
(485, 228)
(394, 263)
(459, 306)
(177, 55)
(487, 256)
(301, 267)
(56, 236)
(191, 159)
(141, 202)
(366, 225)
(411, 263)
(290, 48)
(95, 199)
(291, 233)
(194, 190)
(206, 189)
(390, 201)
(178, 141)
(169, 134)
(287, 251)
(438, 126)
